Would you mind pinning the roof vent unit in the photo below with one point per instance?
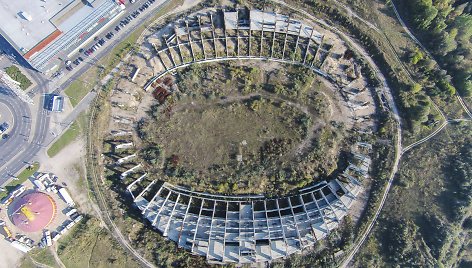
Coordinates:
(25, 16)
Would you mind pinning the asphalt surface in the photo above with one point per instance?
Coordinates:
(16, 152)
(20, 125)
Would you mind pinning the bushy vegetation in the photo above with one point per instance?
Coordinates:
(227, 132)
(445, 26)
(15, 73)
(425, 218)
(90, 245)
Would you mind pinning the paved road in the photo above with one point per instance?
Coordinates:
(20, 152)
(17, 151)
(20, 125)
(23, 152)
(42, 125)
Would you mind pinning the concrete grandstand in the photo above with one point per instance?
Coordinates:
(247, 229)
(47, 32)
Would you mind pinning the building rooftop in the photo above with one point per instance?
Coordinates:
(21, 32)
(55, 103)
(44, 31)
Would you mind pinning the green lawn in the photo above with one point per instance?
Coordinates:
(77, 91)
(15, 73)
(22, 177)
(43, 256)
(88, 244)
(69, 136)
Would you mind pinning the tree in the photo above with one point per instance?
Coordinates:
(466, 87)
(425, 14)
(415, 88)
(464, 25)
(445, 86)
(446, 41)
(416, 57)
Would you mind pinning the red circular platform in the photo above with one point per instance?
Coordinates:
(32, 212)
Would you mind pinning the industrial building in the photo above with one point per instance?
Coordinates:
(46, 32)
(55, 103)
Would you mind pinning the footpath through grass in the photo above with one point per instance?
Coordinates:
(90, 245)
(42, 256)
(22, 177)
(69, 136)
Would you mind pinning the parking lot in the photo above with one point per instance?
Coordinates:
(101, 40)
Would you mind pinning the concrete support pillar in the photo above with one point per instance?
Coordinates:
(178, 47)
(213, 35)
(160, 209)
(190, 41)
(250, 36)
(196, 225)
(160, 57)
(211, 227)
(237, 33)
(317, 51)
(169, 51)
(285, 39)
(183, 221)
(225, 35)
(296, 43)
(308, 45)
(262, 37)
(296, 223)
(201, 36)
(282, 225)
(273, 40)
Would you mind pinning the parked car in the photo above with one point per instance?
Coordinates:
(4, 127)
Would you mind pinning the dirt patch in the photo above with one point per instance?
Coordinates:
(69, 166)
(10, 256)
(203, 137)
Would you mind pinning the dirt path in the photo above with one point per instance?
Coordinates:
(56, 257)
(38, 264)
